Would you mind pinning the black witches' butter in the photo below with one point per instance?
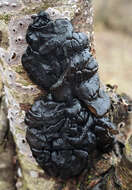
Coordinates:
(67, 126)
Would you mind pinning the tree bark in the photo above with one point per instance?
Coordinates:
(20, 94)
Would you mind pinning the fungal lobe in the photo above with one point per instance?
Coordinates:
(66, 127)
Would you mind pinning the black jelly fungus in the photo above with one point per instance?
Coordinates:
(67, 126)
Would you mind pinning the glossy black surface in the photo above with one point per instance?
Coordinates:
(65, 128)
(62, 137)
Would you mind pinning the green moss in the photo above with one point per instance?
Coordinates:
(19, 69)
(128, 148)
(128, 151)
(5, 17)
(78, 185)
(89, 179)
(24, 83)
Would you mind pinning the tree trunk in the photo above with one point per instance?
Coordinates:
(20, 94)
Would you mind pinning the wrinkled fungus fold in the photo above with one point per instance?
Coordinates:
(67, 126)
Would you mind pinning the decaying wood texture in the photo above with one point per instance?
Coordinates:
(109, 172)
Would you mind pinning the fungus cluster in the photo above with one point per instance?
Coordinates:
(67, 126)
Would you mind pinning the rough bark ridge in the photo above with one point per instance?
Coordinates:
(20, 92)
